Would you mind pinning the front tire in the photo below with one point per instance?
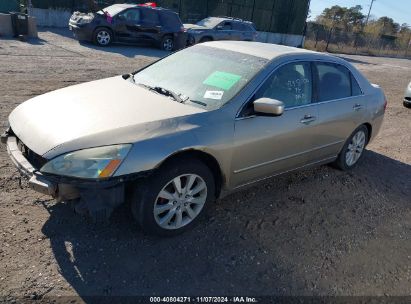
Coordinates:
(102, 37)
(173, 199)
(353, 149)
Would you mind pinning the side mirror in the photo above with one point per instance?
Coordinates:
(268, 106)
(220, 27)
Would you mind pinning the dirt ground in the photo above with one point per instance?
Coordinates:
(315, 232)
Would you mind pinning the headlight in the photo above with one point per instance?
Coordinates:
(85, 19)
(89, 163)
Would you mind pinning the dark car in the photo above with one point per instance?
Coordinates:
(130, 23)
(220, 28)
(407, 96)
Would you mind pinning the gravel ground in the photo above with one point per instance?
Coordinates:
(315, 232)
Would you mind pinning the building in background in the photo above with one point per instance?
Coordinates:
(278, 21)
(9, 6)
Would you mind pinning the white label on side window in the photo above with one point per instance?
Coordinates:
(217, 95)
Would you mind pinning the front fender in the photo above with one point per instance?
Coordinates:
(149, 154)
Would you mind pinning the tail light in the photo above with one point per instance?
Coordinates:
(183, 30)
(385, 103)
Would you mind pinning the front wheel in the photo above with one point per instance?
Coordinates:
(353, 149)
(103, 37)
(174, 198)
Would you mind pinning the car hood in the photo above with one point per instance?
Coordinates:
(77, 16)
(47, 121)
(195, 27)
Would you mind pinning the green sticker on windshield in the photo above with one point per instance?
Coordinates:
(222, 80)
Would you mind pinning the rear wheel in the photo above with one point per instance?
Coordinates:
(167, 43)
(205, 39)
(174, 198)
(103, 37)
(353, 149)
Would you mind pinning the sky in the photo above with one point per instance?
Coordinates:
(399, 10)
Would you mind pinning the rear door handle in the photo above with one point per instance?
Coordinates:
(357, 107)
(308, 119)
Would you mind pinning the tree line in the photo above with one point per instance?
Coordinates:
(352, 20)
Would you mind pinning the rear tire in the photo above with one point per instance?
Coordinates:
(205, 39)
(102, 37)
(174, 198)
(167, 44)
(353, 149)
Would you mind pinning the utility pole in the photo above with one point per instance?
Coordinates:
(369, 12)
(29, 8)
(330, 32)
(408, 45)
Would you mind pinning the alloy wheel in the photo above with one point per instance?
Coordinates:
(168, 44)
(180, 201)
(103, 37)
(355, 148)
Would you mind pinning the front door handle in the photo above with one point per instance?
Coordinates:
(357, 107)
(308, 119)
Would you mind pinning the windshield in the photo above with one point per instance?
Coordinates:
(205, 76)
(112, 10)
(209, 22)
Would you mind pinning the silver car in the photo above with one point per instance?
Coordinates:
(407, 96)
(220, 28)
(193, 127)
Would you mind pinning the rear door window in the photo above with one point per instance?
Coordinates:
(334, 81)
(227, 26)
(237, 26)
(355, 87)
(150, 16)
(171, 20)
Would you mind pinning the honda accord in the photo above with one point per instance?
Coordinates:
(192, 127)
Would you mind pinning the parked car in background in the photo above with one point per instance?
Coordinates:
(407, 96)
(242, 112)
(220, 28)
(130, 23)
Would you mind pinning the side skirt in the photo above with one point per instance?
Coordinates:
(327, 160)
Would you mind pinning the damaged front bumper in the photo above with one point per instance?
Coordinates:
(37, 181)
(98, 198)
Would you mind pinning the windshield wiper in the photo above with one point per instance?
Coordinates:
(163, 91)
(197, 102)
(177, 97)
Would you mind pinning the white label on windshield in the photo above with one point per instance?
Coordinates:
(217, 95)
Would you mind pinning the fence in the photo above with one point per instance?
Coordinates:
(276, 16)
(9, 5)
(335, 40)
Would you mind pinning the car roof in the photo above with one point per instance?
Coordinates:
(217, 18)
(265, 50)
(128, 5)
(225, 18)
(124, 5)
